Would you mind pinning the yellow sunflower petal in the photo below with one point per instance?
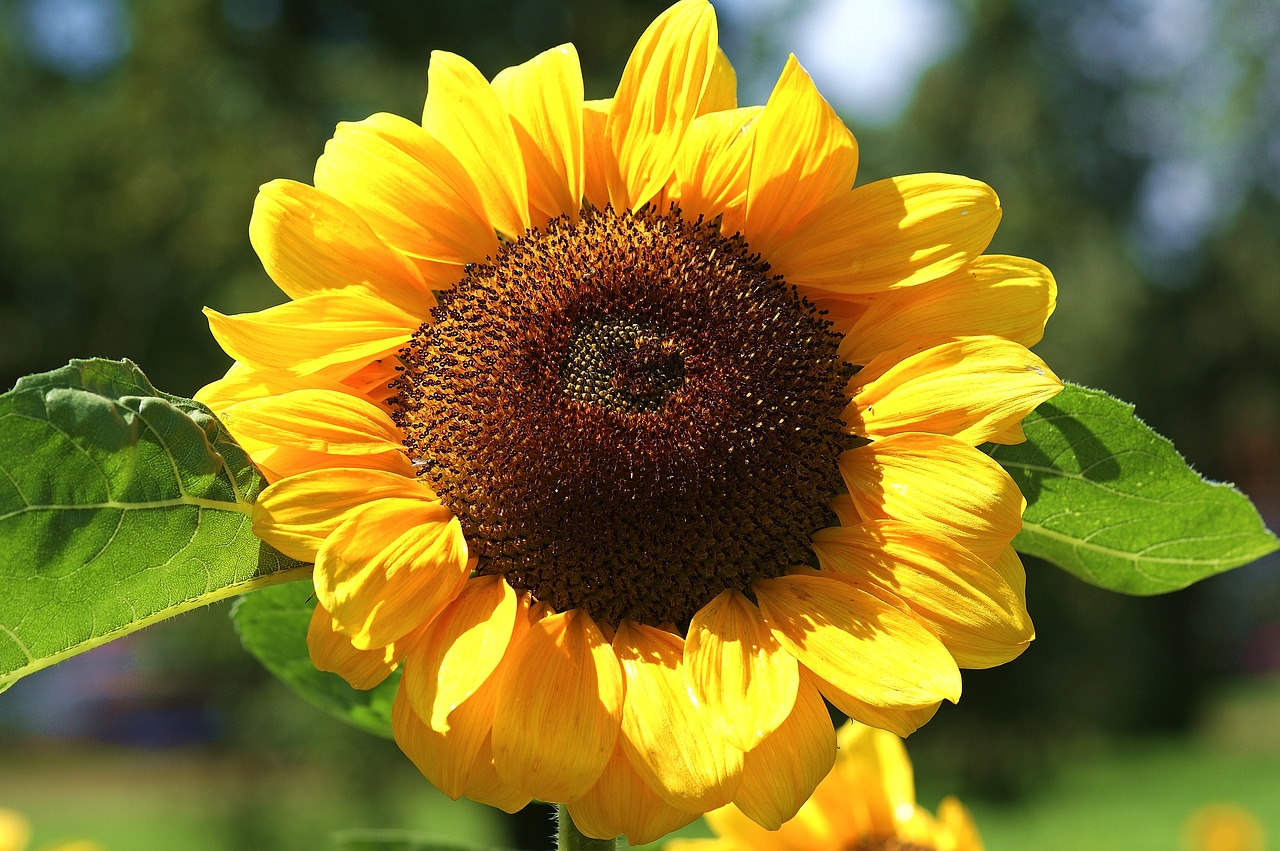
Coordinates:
(487, 786)
(312, 243)
(957, 820)
(460, 762)
(1008, 565)
(807, 831)
(999, 296)
(666, 738)
(845, 510)
(332, 651)
(333, 333)
(980, 619)
(862, 644)
(841, 311)
(722, 86)
(620, 803)
(896, 232)
(320, 423)
(938, 482)
(901, 722)
(464, 114)
(373, 380)
(970, 389)
(743, 681)
(559, 706)
(780, 773)
(713, 164)
(409, 187)
(875, 763)
(242, 383)
(297, 513)
(803, 157)
(660, 94)
(389, 567)
(601, 180)
(462, 648)
(544, 98)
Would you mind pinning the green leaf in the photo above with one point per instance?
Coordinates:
(273, 627)
(1114, 503)
(119, 506)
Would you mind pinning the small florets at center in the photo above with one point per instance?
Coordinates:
(619, 363)
(628, 414)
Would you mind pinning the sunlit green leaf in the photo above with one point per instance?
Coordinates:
(1114, 503)
(273, 627)
(119, 506)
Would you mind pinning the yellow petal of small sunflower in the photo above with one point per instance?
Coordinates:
(958, 822)
(544, 99)
(781, 772)
(937, 482)
(897, 232)
(554, 742)
(663, 733)
(464, 114)
(874, 766)
(864, 645)
(389, 567)
(743, 682)
(970, 389)
(808, 831)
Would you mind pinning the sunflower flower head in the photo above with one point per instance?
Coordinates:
(634, 434)
(866, 803)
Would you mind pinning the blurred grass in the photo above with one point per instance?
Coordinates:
(1132, 795)
(195, 800)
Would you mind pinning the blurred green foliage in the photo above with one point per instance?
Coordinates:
(1133, 144)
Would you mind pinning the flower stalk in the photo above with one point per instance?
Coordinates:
(569, 838)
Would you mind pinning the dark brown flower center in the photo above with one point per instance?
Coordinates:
(628, 414)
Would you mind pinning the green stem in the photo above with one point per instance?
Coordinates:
(569, 838)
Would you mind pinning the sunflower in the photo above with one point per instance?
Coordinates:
(631, 431)
(866, 803)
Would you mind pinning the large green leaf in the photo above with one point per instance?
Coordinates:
(1114, 503)
(273, 627)
(119, 506)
